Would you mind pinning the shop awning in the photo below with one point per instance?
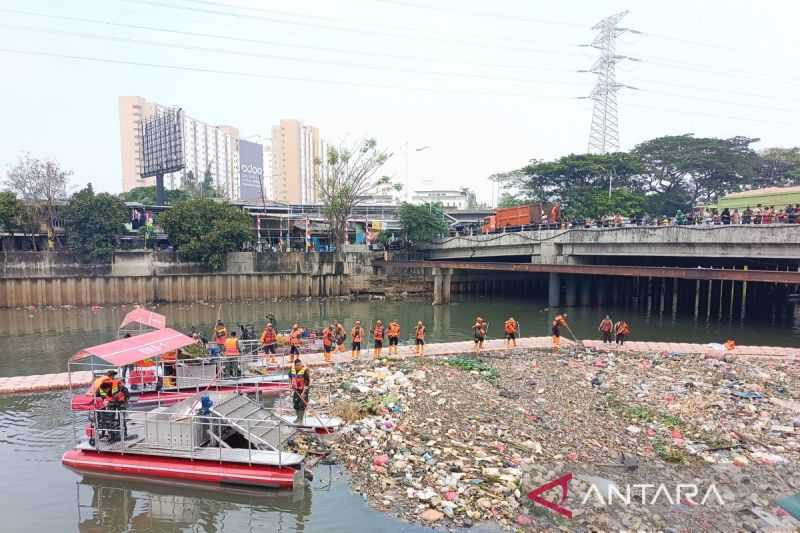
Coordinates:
(145, 317)
(132, 349)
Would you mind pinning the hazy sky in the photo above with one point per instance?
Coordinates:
(486, 85)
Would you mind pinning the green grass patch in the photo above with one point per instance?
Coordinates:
(469, 364)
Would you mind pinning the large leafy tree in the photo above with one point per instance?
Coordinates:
(147, 195)
(41, 185)
(204, 230)
(780, 167)
(594, 203)
(93, 224)
(9, 210)
(706, 168)
(345, 178)
(423, 222)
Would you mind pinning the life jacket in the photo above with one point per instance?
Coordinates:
(298, 378)
(118, 392)
(97, 386)
(220, 332)
(231, 347)
(730, 344)
(327, 336)
(559, 320)
(394, 329)
(294, 338)
(378, 333)
(420, 332)
(623, 328)
(606, 326)
(511, 326)
(269, 336)
(357, 333)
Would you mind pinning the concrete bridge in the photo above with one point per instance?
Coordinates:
(577, 246)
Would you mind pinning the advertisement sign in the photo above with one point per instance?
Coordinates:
(251, 170)
(161, 150)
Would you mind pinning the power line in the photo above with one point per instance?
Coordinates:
(248, 74)
(296, 59)
(350, 51)
(350, 29)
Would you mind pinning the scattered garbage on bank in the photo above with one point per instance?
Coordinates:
(461, 441)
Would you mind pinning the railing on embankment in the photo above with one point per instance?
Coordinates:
(105, 290)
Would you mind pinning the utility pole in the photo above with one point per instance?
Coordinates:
(604, 131)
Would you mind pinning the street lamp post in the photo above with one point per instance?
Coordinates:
(420, 149)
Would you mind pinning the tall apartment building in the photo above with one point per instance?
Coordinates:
(295, 148)
(207, 148)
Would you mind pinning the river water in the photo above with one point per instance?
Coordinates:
(40, 495)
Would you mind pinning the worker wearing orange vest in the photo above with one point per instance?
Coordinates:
(511, 327)
(295, 342)
(269, 340)
(377, 338)
(341, 336)
(394, 336)
(220, 333)
(232, 351)
(328, 339)
(622, 330)
(300, 382)
(558, 321)
(357, 334)
(419, 338)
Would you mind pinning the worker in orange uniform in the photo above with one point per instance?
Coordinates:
(300, 381)
(419, 338)
(559, 321)
(605, 328)
(295, 341)
(341, 336)
(220, 333)
(511, 327)
(377, 338)
(357, 335)
(269, 340)
(328, 340)
(622, 330)
(479, 333)
(394, 336)
(231, 350)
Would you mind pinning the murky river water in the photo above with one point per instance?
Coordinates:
(38, 494)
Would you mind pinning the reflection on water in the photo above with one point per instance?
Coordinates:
(39, 494)
(41, 341)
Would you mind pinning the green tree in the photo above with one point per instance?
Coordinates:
(204, 230)
(508, 199)
(706, 168)
(207, 189)
(147, 195)
(189, 183)
(94, 224)
(423, 222)
(594, 203)
(345, 178)
(9, 210)
(780, 167)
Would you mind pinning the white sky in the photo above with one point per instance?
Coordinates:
(487, 85)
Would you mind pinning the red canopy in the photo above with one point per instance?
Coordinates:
(133, 349)
(145, 317)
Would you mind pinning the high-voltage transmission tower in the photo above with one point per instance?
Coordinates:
(604, 133)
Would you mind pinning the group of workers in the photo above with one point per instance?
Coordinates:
(612, 332)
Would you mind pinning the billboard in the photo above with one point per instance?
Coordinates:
(162, 143)
(251, 170)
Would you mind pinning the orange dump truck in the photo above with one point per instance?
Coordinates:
(510, 217)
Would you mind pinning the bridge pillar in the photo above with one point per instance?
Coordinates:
(441, 285)
(571, 291)
(554, 291)
(586, 291)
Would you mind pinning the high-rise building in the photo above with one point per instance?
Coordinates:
(296, 146)
(211, 152)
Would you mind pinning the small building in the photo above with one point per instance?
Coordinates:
(449, 198)
(777, 197)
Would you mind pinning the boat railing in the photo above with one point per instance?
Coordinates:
(184, 434)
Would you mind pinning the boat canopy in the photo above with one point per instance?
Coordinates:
(131, 350)
(144, 317)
